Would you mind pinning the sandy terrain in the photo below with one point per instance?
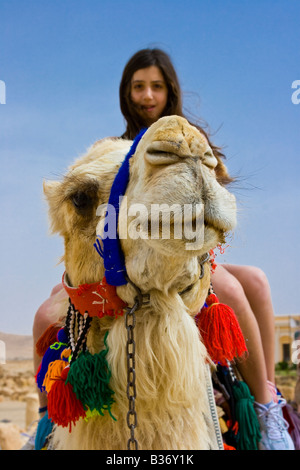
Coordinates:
(18, 397)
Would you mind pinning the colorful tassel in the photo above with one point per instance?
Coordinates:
(64, 408)
(37, 373)
(66, 353)
(227, 447)
(249, 431)
(220, 331)
(62, 336)
(52, 354)
(47, 338)
(53, 373)
(44, 428)
(89, 375)
(91, 414)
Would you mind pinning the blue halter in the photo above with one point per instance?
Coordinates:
(111, 251)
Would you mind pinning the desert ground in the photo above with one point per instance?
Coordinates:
(18, 395)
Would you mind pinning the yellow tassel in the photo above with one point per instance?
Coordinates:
(91, 414)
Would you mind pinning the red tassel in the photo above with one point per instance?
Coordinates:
(47, 338)
(64, 408)
(227, 447)
(37, 372)
(220, 331)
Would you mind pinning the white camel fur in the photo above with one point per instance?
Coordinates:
(173, 164)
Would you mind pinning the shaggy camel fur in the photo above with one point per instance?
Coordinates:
(173, 164)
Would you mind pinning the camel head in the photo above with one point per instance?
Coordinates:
(173, 212)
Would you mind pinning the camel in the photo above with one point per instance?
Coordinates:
(164, 404)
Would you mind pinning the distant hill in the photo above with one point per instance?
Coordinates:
(17, 347)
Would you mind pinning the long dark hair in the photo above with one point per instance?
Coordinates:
(147, 58)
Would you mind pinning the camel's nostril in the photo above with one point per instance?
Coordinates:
(157, 156)
(208, 153)
(159, 153)
(209, 159)
(165, 152)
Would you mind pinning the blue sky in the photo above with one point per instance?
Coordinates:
(61, 62)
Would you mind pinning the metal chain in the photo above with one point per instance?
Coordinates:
(130, 321)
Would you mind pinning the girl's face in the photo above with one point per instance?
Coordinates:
(149, 93)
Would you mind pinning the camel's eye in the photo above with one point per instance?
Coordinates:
(83, 196)
(82, 200)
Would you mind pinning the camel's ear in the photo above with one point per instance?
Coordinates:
(50, 188)
(53, 194)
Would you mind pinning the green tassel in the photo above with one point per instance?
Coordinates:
(249, 431)
(90, 375)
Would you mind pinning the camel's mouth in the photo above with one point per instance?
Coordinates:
(200, 233)
(194, 231)
(221, 234)
(213, 225)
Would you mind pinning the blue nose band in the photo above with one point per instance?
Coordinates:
(109, 248)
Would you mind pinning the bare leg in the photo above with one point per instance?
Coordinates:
(253, 369)
(257, 290)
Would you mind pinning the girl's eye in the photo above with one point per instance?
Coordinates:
(138, 87)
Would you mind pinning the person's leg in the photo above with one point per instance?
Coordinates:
(229, 289)
(253, 369)
(257, 290)
(44, 317)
